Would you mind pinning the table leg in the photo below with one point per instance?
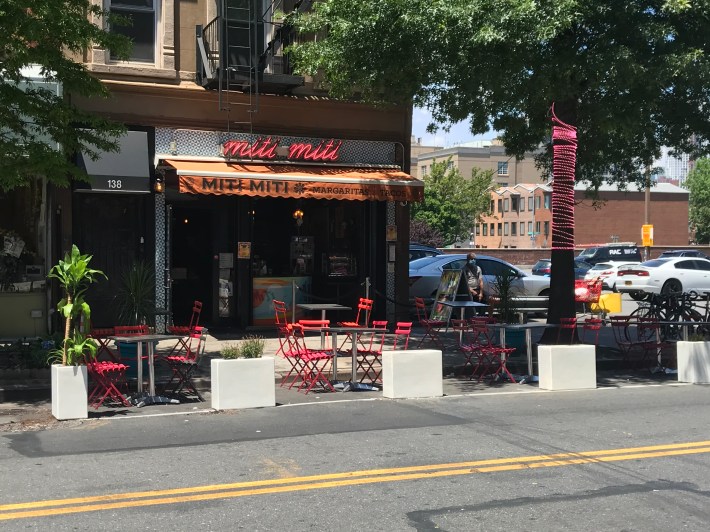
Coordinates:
(334, 339)
(528, 343)
(322, 334)
(151, 369)
(461, 329)
(139, 369)
(354, 370)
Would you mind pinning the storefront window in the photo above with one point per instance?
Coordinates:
(22, 263)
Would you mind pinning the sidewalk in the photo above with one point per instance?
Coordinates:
(26, 405)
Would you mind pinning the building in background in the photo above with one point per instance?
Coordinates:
(672, 168)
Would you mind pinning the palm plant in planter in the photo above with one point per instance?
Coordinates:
(242, 378)
(69, 379)
(136, 295)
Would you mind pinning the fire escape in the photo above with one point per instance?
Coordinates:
(242, 48)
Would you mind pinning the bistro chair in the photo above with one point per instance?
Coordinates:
(590, 331)
(402, 332)
(312, 362)
(362, 319)
(280, 321)
(625, 340)
(100, 335)
(106, 378)
(369, 359)
(432, 328)
(566, 329)
(317, 326)
(185, 366)
(129, 330)
(185, 330)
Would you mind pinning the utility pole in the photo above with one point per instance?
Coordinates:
(646, 209)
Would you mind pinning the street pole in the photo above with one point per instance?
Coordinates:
(646, 209)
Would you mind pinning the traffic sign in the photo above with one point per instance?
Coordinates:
(647, 235)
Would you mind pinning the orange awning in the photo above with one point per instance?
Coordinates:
(286, 181)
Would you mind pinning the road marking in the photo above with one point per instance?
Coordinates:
(333, 480)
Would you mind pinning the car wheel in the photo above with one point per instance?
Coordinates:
(638, 296)
(672, 286)
(613, 288)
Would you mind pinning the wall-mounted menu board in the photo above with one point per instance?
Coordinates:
(448, 288)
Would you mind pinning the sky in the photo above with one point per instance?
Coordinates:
(458, 134)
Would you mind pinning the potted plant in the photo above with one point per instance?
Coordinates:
(69, 375)
(243, 377)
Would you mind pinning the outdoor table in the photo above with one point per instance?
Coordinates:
(323, 307)
(148, 339)
(527, 327)
(463, 305)
(353, 332)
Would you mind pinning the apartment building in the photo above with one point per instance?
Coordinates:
(237, 179)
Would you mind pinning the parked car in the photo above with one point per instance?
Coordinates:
(607, 271)
(425, 274)
(417, 251)
(665, 276)
(683, 253)
(611, 252)
(543, 267)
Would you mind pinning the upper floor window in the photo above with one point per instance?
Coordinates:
(500, 205)
(141, 31)
(423, 169)
(502, 168)
(514, 203)
(530, 203)
(537, 202)
(547, 201)
(505, 205)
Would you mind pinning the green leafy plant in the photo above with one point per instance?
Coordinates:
(76, 350)
(75, 276)
(504, 290)
(230, 352)
(136, 295)
(252, 347)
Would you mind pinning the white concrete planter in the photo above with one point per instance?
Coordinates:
(693, 362)
(70, 386)
(243, 383)
(567, 367)
(412, 373)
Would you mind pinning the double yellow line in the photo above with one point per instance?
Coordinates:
(261, 487)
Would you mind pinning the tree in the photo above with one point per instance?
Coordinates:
(41, 130)
(453, 204)
(628, 77)
(420, 231)
(698, 182)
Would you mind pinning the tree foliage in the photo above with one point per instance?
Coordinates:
(40, 129)
(698, 182)
(452, 204)
(632, 76)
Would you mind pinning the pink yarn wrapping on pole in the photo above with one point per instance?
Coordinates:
(564, 150)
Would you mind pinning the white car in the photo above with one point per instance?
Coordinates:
(665, 276)
(607, 272)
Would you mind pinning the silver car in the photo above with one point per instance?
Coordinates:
(425, 274)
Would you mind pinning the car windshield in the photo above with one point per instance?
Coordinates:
(424, 261)
(601, 266)
(654, 263)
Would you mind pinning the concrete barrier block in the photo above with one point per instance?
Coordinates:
(242, 383)
(412, 373)
(567, 367)
(693, 362)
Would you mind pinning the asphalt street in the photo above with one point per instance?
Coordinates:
(628, 458)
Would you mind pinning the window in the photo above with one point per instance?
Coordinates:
(478, 229)
(513, 229)
(142, 31)
(530, 228)
(493, 230)
(547, 201)
(506, 205)
(502, 168)
(537, 202)
(522, 204)
(537, 227)
(505, 229)
(485, 229)
(449, 164)
(500, 205)
(514, 203)
(423, 170)
(522, 228)
(547, 228)
(493, 206)
(500, 229)
(530, 203)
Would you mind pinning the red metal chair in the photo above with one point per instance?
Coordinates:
(184, 367)
(432, 328)
(317, 326)
(370, 357)
(280, 321)
(185, 330)
(566, 328)
(590, 331)
(101, 336)
(313, 362)
(362, 319)
(106, 378)
(402, 331)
